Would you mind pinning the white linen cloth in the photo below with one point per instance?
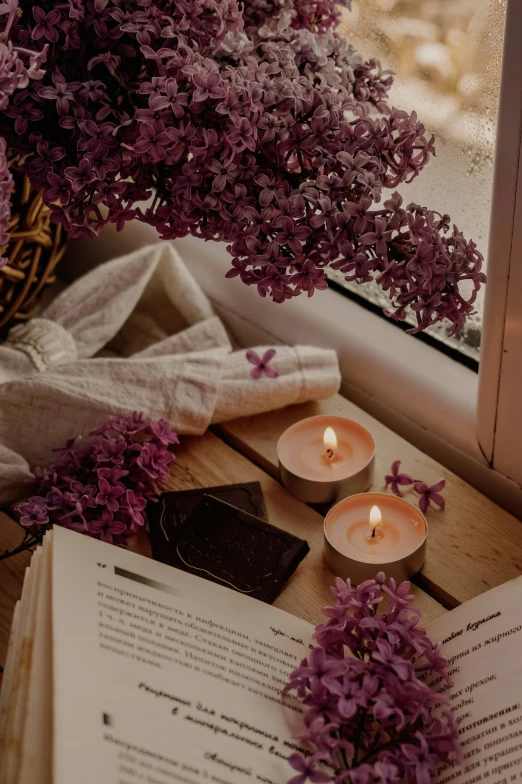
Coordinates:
(135, 334)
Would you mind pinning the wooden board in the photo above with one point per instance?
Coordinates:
(472, 546)
(202, 462)
(205, 461)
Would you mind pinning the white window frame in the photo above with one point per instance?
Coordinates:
(499, 413)
(472, 423)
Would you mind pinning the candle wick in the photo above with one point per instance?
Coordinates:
(329, 454)
(373, 533)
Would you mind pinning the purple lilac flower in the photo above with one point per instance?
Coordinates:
(252, 124)
(101, 485)
(112, 475)
(45, 26)
(396, 479)
(33, 514)
(59, 190)
(164, 433)
(261, 363)
(111, 451)
(135, 506)
(80, 176)
(369, 715)
(82, 494)
(307, 770)
(207, 87)
(430, 494)
(54, 498)
(109, 494)
(61, 92)
(106, 527)
(152, 459)
(419, 757)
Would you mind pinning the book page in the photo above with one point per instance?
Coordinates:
(17, 679)
(163, 678)
(35, 765)
(482, 641)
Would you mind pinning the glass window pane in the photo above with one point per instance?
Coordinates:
(446, 55)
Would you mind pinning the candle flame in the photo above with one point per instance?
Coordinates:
(375, 517)
(330, 439)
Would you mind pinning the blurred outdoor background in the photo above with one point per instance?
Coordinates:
(447, 56)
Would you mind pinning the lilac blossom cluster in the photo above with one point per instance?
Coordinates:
(370, 714)
(253, 124)
(101, 487)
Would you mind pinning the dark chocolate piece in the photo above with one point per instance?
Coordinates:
(235, 549)
(172, 509)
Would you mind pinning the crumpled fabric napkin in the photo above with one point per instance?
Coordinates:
(137, 333)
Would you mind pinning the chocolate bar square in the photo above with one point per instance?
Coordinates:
(233, 548)
(172, 509)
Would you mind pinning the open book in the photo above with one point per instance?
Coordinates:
(122, 670)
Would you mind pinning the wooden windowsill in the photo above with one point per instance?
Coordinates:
(472, 546)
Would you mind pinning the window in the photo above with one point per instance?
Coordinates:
(446, 55)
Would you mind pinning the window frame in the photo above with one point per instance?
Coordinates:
(499, 414)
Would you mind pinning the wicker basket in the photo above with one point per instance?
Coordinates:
(35, 248)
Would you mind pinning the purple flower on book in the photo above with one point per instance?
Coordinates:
(430, 495)
(420, 758)
(351, 696)
(307, 769)
(395, 478)
(385, 655)
(318, 666)
(261, 364)
(106, 527)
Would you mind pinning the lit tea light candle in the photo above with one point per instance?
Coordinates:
(325, 458)
(375, 532)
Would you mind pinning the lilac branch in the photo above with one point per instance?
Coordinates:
(258, 126)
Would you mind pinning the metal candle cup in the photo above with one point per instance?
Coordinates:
(355, 548)
(318, 472)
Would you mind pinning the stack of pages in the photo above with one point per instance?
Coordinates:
(122, 670)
